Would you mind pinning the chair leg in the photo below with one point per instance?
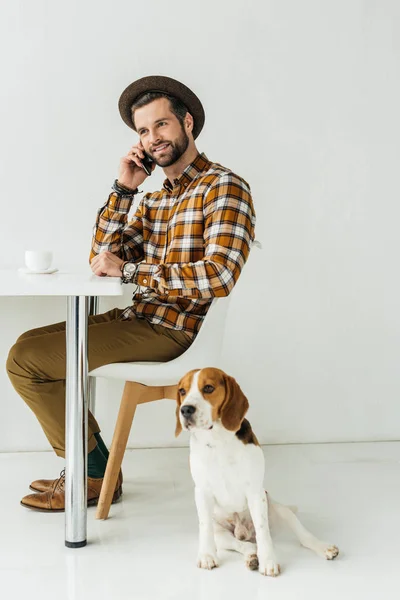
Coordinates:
(123, 426)
(134, 394)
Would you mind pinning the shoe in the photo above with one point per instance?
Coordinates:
(44, 485)
(53, 500)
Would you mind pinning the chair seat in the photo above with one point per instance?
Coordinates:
(204, 352)
(146, 373)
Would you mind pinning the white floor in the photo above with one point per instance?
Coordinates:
(347, 494)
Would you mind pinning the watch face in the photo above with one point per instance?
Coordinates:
(129, 270)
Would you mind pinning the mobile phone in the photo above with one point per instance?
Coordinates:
(147, 163)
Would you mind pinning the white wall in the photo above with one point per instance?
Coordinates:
(301, 100)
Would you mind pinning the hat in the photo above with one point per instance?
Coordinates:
(157, 83)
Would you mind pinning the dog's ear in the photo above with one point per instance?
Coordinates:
(234, 406)
(178, 427)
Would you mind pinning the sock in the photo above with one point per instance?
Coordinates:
(96, 463)
(101, 444)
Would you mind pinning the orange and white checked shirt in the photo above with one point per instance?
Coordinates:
(190, 240)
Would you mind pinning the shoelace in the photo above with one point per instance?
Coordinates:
(61, 480)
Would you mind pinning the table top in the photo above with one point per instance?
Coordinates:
(62, 283)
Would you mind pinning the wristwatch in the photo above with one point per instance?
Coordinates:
(128, 272)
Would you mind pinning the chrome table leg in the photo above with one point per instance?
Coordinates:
(76, 423)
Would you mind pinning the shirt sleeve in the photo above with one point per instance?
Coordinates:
(113, 233)
(229, 222)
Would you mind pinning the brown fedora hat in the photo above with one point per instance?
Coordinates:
(158, 83)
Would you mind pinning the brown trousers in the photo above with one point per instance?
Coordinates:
(36, 364)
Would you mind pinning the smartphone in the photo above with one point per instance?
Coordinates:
(147, 163)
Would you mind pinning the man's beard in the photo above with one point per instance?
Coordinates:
(174, 151)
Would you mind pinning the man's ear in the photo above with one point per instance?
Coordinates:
(178, 427)
(189, 122)
(235, 405)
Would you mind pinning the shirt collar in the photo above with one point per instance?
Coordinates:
(200, 164)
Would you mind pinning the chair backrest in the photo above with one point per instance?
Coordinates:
(206, 350)
(207, 346)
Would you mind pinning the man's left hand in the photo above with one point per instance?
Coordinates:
(106, 264)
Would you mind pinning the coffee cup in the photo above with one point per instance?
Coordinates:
(38, 260)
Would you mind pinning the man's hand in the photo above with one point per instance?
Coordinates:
(131, 173)
(106, 264)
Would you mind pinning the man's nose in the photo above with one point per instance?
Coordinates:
(187, 410)
(154, 138)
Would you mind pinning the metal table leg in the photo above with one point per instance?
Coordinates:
(76, 422)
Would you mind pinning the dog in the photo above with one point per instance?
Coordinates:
(227, 466)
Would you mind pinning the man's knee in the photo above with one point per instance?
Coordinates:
(38, 358)
(17, 354)
(22, 359)
(15, 358)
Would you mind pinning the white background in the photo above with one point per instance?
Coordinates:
(302, 100)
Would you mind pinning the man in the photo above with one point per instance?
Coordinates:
(186, 245)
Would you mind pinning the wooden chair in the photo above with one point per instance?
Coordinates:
(149, 381)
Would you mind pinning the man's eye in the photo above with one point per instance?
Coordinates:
(208, 389)
(182, 391)
(161, 123)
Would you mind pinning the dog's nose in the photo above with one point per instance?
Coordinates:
(187, 410)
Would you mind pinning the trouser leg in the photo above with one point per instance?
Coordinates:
(36, 364)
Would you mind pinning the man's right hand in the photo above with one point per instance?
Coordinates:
(131, 173)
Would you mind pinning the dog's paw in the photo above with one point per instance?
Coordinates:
(331, 552)
(252, 562)
(269, 567)
(207, 561)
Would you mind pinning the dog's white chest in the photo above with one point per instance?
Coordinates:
(223, 465)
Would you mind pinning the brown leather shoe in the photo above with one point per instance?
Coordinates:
(53, 500)
(44, 485)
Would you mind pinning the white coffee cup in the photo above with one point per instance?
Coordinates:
(38, 260)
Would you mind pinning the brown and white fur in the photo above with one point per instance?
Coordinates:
(227, 466)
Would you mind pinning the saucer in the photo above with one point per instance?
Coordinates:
(37, 272)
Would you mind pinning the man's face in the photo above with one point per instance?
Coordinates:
(161, 134)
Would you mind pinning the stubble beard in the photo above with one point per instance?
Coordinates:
(175, 150)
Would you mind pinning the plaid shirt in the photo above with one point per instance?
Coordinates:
(190, 240)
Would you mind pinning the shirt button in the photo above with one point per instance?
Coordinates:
(185, 184)
(144, 280)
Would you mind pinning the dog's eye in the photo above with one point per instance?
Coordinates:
(182, 391)
(208, 389)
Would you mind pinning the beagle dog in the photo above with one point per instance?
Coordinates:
(227, 466)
